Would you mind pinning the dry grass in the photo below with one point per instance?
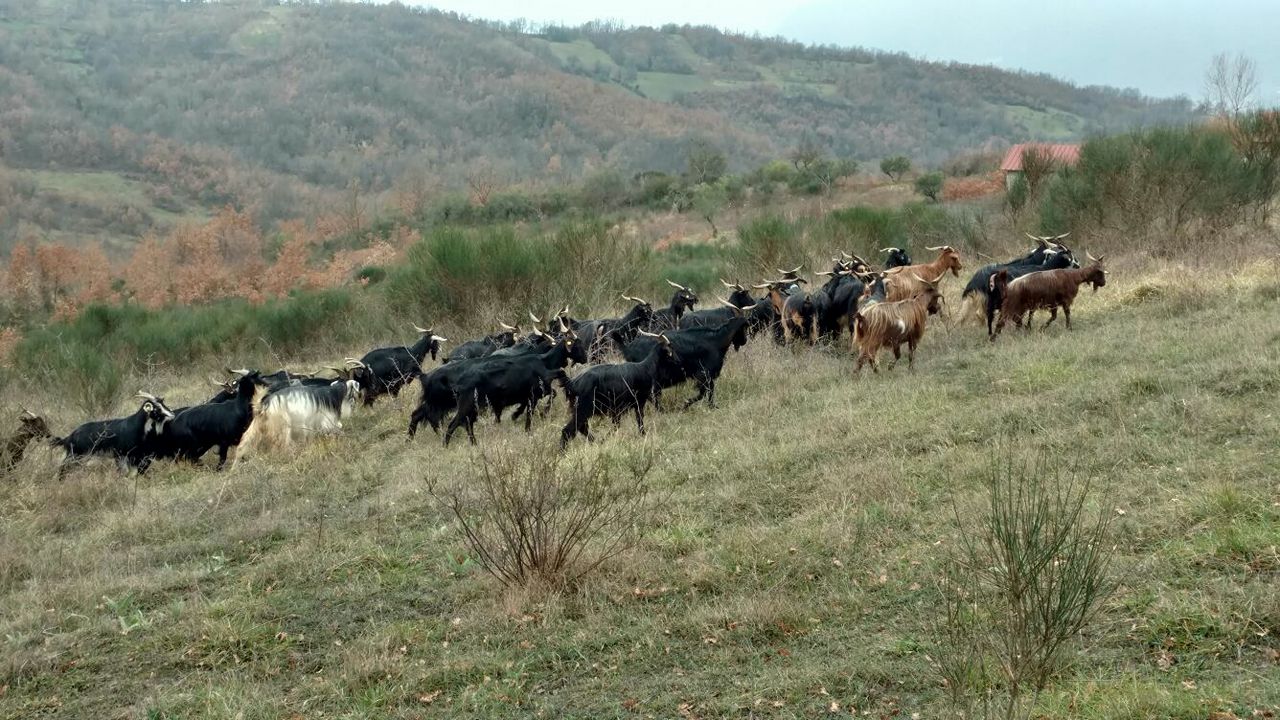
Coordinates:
(793, 568)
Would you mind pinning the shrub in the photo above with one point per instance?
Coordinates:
(1024, 581)
(895, 167)
(929, 185)
(535, 517)
(768, 242)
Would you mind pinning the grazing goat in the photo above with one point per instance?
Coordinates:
(668, 318)
(385, 371)
(890, 324)
(1049, 254)
(296, 413)
(613, 390)
(908, 281)
(30, 427)
(131, 440)
(1047, 290)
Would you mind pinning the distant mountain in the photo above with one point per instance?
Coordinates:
(119, 116)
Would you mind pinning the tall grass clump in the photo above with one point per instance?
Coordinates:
(1025, 579)
(537, 518)
(768, 242)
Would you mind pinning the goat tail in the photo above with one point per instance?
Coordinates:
(566, 384)
(58, 442)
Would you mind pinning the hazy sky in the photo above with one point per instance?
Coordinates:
(1158, 46)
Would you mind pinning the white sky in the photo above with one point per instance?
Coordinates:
(1158, 46)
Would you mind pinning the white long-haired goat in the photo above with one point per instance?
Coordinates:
(294, 414)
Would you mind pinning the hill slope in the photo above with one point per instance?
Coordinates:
(278, 108)
(793, 565)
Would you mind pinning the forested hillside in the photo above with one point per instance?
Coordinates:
(120, 117)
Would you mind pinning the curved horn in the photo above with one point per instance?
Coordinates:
(534, 318)
(824, 272)
(424, 331)
(735, 307)
(664, 339)
(241, 371)
(678, 287)
(1092, 258)
(731, 286)
(648, 334)
(28, 413)
(637, 300)
(1061, 236)
(1040, 240)
(940, 247)
(148, 396)
(888, 249)
(510, 328)
(846, 254)
(563, 328)
(790, 272)
(565, 312)
(761, 287)
(439, 339)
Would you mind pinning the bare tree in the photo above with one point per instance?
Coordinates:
(1230, 83)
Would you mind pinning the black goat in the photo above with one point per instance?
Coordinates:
(131, 440)
(486, 345)
(897, 257)
(700, 351)
(758, 312)
(385, 371)
(617, 331)
(196, 430)
(668, 318)
(614, 390)
(498, 383)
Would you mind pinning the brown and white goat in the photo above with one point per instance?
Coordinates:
(1047, 290)
(890, 324)
(908, 281)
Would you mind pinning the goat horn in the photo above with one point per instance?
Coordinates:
(505, 326)
(845, 253)
(241, 371)
(565, 312)
(641, 301)
(888, 249)
(824, 272)
(940, 247)
(28, 413)
(563, 328)
(761, 287)
(148, 396)
(439, 339)
(1061, 236)
(678, 287)
(1092, 258)
(648, 334)
(731, 286)
(534, 318)
(424, 331)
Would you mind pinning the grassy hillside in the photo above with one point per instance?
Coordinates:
(792, 567)
(279, 108)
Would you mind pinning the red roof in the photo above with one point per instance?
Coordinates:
(1061, 154)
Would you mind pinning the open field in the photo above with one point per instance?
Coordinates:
(791, 571)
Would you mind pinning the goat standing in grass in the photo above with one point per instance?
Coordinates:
(908, 281)
(890, 324)
(1046, 290)
(132, 440)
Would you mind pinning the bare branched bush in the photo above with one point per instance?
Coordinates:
(535, 517)
(1024, 581)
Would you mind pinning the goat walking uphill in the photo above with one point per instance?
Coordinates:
(1046, 290)
(614, 390)
(890, 324)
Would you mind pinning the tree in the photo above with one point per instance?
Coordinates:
(708, 201)
(895, 167)
(706, 163)
(1230, 83)
(807, 154)
(930, 185)
(1037, 164)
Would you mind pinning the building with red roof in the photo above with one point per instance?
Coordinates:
(1060, 154)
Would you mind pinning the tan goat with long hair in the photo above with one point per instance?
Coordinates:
(907, 281)
(890, 324)
(1048, 290)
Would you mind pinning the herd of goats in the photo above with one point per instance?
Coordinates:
(880, 309)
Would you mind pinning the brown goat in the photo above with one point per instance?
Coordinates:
(31, 427)
(890, 324)
(1047, 290)
(908, 281)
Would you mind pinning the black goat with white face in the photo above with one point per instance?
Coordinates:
(131, 440)
(897, 257)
